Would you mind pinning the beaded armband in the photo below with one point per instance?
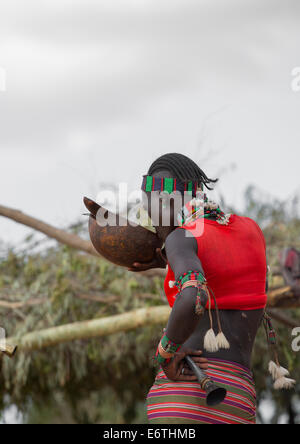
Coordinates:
(192, 278)
(165, 350)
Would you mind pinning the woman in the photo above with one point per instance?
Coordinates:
(218, 263)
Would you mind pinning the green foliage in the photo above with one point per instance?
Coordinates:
(81, 381)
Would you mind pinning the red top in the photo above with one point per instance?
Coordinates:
(233, 257)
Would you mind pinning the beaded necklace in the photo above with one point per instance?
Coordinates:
(205, 208)
(194, 209)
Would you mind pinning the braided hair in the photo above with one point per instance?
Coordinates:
(182, 167)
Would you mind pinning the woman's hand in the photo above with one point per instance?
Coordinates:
(173, 370)
(159, 261)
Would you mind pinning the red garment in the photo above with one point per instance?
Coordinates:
(233, 258)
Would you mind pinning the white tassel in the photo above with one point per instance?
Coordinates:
(284, 383)
(171, 284)
(277, 371)
(273, 369)
(210, 341)
(222, 341)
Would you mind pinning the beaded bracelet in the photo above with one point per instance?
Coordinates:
(193, 278)
(166, 349)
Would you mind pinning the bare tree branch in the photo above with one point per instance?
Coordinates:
(106, 326)
(282, 318)
(92, 328)
(20, 304)
(62, 236)
(72, 240)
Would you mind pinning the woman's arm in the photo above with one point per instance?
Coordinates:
(182, 256)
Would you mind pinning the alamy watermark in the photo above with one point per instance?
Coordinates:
(295, 83)
(162, 208)
(2, 79)
(296, 341)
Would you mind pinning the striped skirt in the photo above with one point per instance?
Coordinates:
(172, 402)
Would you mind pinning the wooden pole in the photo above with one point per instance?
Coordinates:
(62, 236)
(92, 328)
(70, 239)
(101, 327)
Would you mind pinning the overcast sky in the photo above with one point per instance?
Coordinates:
(96, 90)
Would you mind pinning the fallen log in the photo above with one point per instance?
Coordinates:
(110, 325)
(92, 328)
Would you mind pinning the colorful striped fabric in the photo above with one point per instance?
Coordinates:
(172, 402)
